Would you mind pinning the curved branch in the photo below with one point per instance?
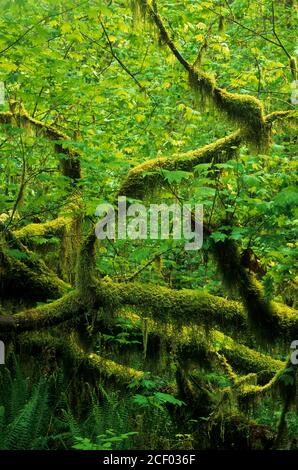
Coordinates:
(44, 316)
(280, 115)
(73, 353)
(69, 158)
(28, 278)
(145, 177)
(245, 110)
(192, 343)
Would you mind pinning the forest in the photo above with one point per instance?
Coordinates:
(136, 342)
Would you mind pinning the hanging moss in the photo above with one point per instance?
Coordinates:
(202, 51)
(202, 85)
(145, 331)
(70, 160)
(246, 111)
(139, 10)
(283, 116)
(6, 117)
(85, 270)
(293, 66)
(227, 367)
(221, 24)
(70, 247)
(237, 278)
(185, 307)
(37, 341)
(232, 430)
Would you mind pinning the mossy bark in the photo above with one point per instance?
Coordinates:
(185, 307)
(28, 279)
(74, 355)
(147, 177)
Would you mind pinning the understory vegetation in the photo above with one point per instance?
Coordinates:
(141, 344)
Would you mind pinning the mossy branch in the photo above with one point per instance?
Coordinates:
(286, 390)
(85, 277)
(262, 314)
(148, 176)
(18, 116)
(281, 115)
(66, 308)
(186, 307)
(193, 344)
(28, 278)
(53, 227)
(73, 354)
(245, 110)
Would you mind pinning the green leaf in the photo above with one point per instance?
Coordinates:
(176, 176)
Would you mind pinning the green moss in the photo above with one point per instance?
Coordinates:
(85, 271)
(6, 117)
(146, 177)
(202, 84)
(247, 112)
(239, 280)
(244, 110)
(202, 51)
(70, 247)
(28, 278)
(221, 24)
(69, 161)
(294, 68)
(193, 343)
(44, 316)
(247, 360)
(187, 307)
(283, 116)
(277, 382)
(139, 10)
(43, 229)
(73, 354)
(181, 307)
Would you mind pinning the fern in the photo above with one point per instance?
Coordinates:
(24, 431)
